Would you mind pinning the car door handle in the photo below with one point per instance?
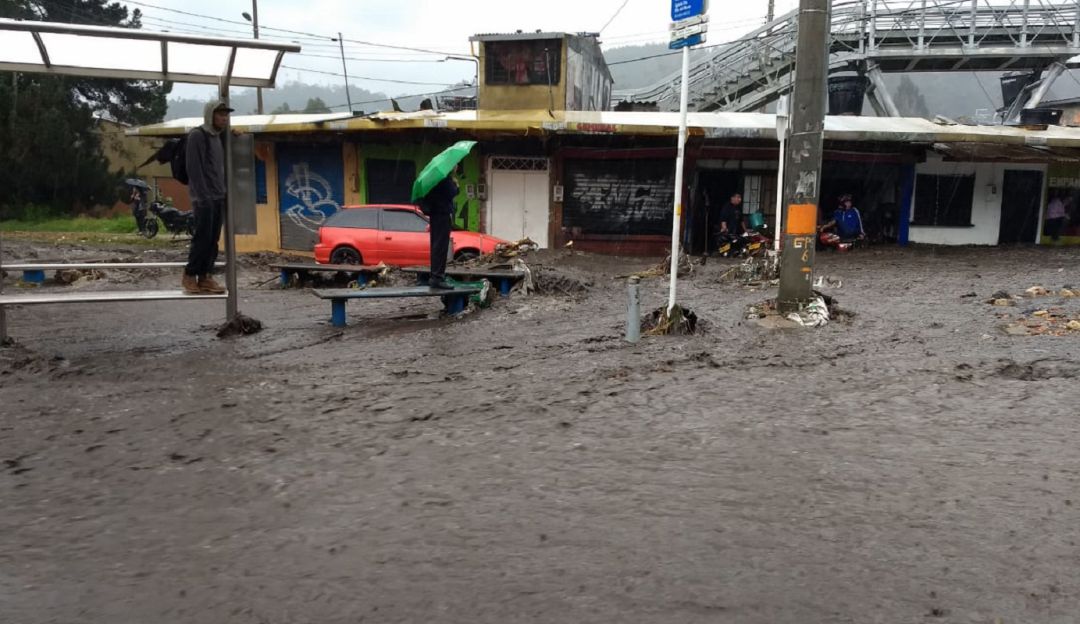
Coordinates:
(389, 238)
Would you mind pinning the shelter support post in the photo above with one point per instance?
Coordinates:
(232, 300)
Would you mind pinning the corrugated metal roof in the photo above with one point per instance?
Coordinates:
(522, 35)
(710, 125)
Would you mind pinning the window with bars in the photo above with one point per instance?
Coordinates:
(522, 62)
(519, 163)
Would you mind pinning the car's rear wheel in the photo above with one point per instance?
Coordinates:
(466, 254)
(346, 255)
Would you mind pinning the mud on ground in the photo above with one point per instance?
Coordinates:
(523, 464)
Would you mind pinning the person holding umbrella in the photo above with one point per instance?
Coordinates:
(435, 189)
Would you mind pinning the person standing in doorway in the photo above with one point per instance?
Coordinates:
(438, 204)
(205, 160)
(1055, 217)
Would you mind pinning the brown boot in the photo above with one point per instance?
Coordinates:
(190, 283)
(209, 286)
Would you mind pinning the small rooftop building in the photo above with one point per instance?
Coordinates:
(543, 71)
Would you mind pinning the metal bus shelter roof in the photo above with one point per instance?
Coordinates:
(134, 54)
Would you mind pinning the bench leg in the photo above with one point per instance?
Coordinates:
(284, 278)
(361, 279)
(34, 277)
(455, 304)
(504, 286)
(337, 312)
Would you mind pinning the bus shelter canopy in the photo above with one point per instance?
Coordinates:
(135, 54)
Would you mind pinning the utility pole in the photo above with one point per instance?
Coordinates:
(254, 19)
(341, 44)
(772, 12)
(803, 160)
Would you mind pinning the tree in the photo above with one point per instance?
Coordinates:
(50, 153)
(316, 105)
(909, 100)
(281, 110)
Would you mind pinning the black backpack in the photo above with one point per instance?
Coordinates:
(174, 152)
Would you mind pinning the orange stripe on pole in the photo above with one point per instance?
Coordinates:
(802, 219)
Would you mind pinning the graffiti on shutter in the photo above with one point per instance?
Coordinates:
(312, 187)
(627, 197)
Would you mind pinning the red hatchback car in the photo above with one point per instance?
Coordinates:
(394, 234)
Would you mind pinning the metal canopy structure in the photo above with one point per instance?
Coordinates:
(132, 54)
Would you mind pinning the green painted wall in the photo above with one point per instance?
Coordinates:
(420, 154)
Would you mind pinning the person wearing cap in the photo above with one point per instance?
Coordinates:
(205, 160)
(846, 221)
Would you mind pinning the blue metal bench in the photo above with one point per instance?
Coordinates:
(361, 272)
(454, 300)
(503, 279)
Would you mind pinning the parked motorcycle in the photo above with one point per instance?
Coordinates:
(176, 221)
(748, 244)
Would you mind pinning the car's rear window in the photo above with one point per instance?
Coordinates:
(354, 218)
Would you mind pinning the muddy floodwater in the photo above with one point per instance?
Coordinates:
(913, 463)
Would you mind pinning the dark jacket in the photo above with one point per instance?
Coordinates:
(440, 200)
(205, 159)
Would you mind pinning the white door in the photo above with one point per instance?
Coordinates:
(536, 208)
(518, 202)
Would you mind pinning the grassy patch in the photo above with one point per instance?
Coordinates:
(123, 224)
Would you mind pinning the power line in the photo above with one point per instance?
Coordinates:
(709, 47)
(617, 11)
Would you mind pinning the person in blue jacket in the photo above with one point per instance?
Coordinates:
(846, 221)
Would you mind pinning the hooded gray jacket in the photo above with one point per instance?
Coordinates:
(205, 159)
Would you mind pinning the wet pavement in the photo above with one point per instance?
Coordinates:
(523, 464)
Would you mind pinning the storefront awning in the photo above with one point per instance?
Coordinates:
(135, 54)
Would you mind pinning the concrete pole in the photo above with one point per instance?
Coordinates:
(803, 170)
(677, 216)
(232, 301)
(345, 70)
(633, 310)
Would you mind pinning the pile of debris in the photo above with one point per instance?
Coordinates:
(817, 313)
(1042, 320)
(680, 322)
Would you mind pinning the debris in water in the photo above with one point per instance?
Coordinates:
(1036, 291)
(240, 326)
(681, 322)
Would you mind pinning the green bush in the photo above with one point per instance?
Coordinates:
(123, 224)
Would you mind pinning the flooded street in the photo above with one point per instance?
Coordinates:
(524, 464)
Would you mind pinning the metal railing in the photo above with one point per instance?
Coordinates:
(898, 35)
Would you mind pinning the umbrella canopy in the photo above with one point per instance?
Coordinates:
(439, 168)
(137, 183)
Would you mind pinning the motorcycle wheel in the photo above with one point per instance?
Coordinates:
(151, 228)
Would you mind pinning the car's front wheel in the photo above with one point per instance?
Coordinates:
(465, 255)
(346, 255)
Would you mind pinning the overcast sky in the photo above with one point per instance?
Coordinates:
(439, 25)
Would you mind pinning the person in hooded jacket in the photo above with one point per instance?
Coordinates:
(205, 160)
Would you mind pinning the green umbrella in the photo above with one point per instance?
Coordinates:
(439, 168)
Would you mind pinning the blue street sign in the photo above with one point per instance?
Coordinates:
(682, 9)
(692, 40)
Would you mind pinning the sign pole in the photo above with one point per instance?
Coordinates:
(677, 217)
(781, 131)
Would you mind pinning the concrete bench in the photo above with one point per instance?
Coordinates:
(362, 272)
(454, 300)
(503, 279)
(34, 272)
